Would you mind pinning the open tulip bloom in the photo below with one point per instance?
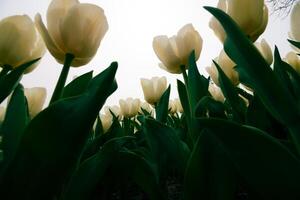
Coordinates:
(233, 135)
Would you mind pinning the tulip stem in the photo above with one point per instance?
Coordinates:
(62, 79)
(184, 74)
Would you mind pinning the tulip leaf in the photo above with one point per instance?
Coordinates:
(183, 95)
(197, 84)
(54, 140)
(165, 145)
(255, 72)
(16, 119)
(237, 105)
(78, 85)
(269, 169)
(295, 43)
(162, 108)
(10, 81)
(213, 107)
(209, 173)
(85, 178)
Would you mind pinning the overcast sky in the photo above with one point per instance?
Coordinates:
(132, 26)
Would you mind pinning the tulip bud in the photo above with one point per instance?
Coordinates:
(295, 23)
(2, 113)
(129, 107)
(74, 28)
(178, 105)
(265, 50)
(292, 59)
(172, 107)
(216, 92)
(250, 15)
(108, 110)
(153, 88)
(175, 51)
(106, 121)
(35, 98)
(227, 65)
(20, 42)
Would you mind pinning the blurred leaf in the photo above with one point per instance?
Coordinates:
(255, 72)
(54, 140)
(162, 109)
(197, 84)
(78, 85)
(16, 119)
(295, 43)
(10, 81)
(85, 178)
(213, 107)
(268, 167)
(210, 172)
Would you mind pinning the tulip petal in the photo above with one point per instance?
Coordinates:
(148, 90)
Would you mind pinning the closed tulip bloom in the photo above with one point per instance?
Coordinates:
(153, 89)
(175, 51)
(178, 105)
(108, 110)
(20, 42)
(250, 15)
(129, 107)
(216, 92)
(147, 107)
(106, 121)
(265, 50)
(35, 98)
(74, 28)
(292, 59)
(227, 65)
(295, 23)
(172, 107)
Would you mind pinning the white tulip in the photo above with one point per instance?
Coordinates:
(35, 98)
(251, 16)
(178, 105)
(216, 92)
(295, 23)
(106, 121)
(108, 110)
(74, 28)
(172, 107)
(265, 50)
(227, 65)
(175, 51)
(293, 59)
(129, 107)
(153, 88)
(20, 42)
(147, 107)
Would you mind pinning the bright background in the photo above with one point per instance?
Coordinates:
(132, 26)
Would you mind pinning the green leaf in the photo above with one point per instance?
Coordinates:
(78, 85)
(232, 97)
(10, 81)
(255, 72)
(16, 119)
(269, 169)
(213, 107)
(84, 180)
(54, 140)
(165, 145)
(162, 109)
(183, 95)
(209, 173)
(197, 84)
(295, 43)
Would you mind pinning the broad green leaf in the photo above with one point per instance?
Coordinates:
(208, 105)
(16, 119)
(78, 85)
(162, 109)
(183, 95)
(10, 81)
(268, 168)
(54, 140)
(197, 84)
(85, 178)
(255, 72)
(210, 172)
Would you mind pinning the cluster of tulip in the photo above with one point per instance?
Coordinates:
(233, 135)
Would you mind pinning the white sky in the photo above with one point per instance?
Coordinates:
(132, 26)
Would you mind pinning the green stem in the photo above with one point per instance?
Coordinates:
(184, 74)
(62, 78)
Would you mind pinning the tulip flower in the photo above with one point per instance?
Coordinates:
(73, 28)
(129, 107)
(146, 106)
(20, 42)
(35, 98)
(295, 23)
(292, 59)
(174, 52)
(216, 92)
(250, 15)
(153, 88)
(265, 50)
(106, 121)
(2, 113)
(172, 107)
(115, 110)
(178, 105)
(227, 66)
